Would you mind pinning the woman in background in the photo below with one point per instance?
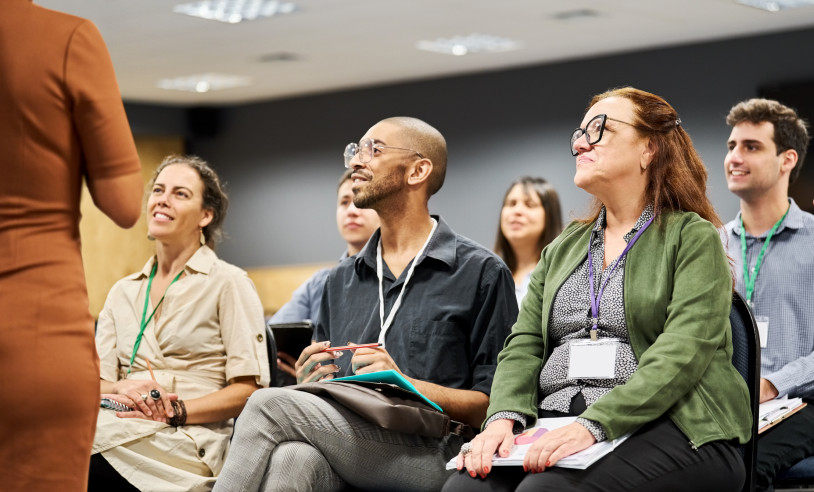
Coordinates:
(182, 343)
(61, 120)
(529, 220)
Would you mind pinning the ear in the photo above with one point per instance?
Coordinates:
(647, 155)
(789, 160)
(206, 217)
(419, 172)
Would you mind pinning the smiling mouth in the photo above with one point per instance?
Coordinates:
(738, 173)
(159, 215)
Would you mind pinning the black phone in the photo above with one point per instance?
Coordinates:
(114, 405)
(292, 338)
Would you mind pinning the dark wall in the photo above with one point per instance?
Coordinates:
(282, 158)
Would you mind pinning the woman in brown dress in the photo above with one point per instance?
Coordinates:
(62, 118)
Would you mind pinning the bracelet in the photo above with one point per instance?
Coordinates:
(180, 414)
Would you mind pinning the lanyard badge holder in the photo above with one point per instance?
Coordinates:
(595, 358)
(385, 323)
(749, 280)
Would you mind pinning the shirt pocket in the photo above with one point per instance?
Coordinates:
(438, 353)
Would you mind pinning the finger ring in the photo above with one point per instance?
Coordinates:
(466, 448)
(144, 397)
(155, 394)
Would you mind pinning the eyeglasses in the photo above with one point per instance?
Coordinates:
(593, 131)
(366, 149)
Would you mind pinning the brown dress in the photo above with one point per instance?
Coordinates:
(61, 118)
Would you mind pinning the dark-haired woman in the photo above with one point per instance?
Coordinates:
(645, 275)
(181, 343)
(530, 218)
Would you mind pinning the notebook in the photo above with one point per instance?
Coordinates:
(773, 412)
(390, 377)
(524, 440)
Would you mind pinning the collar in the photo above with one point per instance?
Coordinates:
(599, 226)
(200, 262)
(442, 247)
(794, 220)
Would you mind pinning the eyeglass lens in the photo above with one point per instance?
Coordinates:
(364, 149)
(592, 131)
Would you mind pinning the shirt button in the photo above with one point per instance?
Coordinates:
(259, 338)
(201, 452)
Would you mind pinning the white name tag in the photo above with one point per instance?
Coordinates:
(763, 330)
(592, 360)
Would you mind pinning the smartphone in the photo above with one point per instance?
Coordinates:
(292, 338)
(114, 405)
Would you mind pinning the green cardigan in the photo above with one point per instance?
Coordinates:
(677, 297)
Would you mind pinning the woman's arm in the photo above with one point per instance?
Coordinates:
(223, 404)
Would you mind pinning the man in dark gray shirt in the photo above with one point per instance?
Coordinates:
(440, 304)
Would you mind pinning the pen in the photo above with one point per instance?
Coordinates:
(150, 368)
(352, 347)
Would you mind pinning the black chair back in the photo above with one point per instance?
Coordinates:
(746, 359)
(271, 345)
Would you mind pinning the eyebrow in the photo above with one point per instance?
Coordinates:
(746, 141)
(175, 188)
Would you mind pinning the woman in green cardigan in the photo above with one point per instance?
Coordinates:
(643, 284)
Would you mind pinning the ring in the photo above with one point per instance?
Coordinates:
(144, 397)
(466, 448)
(155, 394)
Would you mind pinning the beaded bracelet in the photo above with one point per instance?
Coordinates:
(180, 413)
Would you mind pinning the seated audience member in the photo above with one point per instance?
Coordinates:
(355, 226)
(646, 274)
(771, 242)
(182, 343)
(529, 219)
(440, 304)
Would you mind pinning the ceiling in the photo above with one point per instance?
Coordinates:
(329, 45)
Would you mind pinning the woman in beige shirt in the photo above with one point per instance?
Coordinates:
(197, 322)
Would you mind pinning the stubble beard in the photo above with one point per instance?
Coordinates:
(377, 191)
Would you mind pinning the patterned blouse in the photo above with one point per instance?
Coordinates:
(571, 320)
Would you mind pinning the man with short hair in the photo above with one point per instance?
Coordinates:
(440, 304)
(355, 225)
(771, 243)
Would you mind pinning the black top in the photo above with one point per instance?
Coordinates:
(458, 308)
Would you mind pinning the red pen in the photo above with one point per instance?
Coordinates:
(352, 347)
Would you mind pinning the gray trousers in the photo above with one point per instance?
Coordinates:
(288, 440)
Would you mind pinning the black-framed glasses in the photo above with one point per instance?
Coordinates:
(593, 131)
(366, 149)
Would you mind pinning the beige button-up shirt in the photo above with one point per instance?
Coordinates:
(210, 331)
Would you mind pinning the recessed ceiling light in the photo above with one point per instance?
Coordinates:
(204, 82)
(473, 43)
(234, 11)
(578, 14)
(776, 5)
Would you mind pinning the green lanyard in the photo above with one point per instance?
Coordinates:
(749, 280)
(145, 322)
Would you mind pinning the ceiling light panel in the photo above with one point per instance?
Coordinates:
(470, 44)
(776, 5)
(234, 11)
(205, 82)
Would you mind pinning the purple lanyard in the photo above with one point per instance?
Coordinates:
(595, 300)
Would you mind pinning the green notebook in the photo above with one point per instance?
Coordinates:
(390, 377)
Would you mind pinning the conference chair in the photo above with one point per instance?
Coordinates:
(746, 359)
(271, 345)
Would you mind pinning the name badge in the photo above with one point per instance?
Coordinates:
(763, 330)
(592, 360)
